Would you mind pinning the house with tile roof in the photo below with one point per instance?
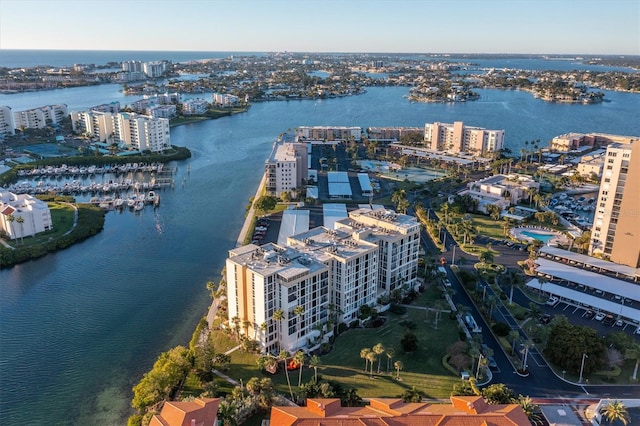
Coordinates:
(463, 411)
(199, 412)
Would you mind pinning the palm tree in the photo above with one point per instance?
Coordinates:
(298, 311)
(283, 356)
(363, 354)
(634, 352)
(398, 366)
(10, 219)
(314, 363)
(371, 357)
(514, 336)
(300, 357)
(20, 220)
(615, 410)
(379, 350)
(529, 408)
(278, 316)
(227, 413)
(390, 352)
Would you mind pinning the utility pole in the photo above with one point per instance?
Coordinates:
(582, 367)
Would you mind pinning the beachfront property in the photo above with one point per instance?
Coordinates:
(457, 138)
(393, 134)
(463, 410)
(162, 111)
(225, 100)
(286, 167)
(575, 141)
(615, 234)
(500, 190)
(197, 412)
(112, 107)
(329, 133)
(150, 69)
(39, 118)
(34, 215)
(7, 125)
(127, 130)
(194, 106)
(371, 253)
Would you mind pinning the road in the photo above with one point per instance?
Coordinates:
(542, 382)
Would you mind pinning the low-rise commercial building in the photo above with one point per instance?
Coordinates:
(501, 190)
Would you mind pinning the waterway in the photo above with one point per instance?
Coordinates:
(79, 327)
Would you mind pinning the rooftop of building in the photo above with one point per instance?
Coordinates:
(469, 410)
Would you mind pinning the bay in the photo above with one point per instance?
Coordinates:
(78, 328)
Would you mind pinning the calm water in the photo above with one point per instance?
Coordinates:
(79, 327)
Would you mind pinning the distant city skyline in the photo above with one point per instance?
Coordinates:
(590, 27)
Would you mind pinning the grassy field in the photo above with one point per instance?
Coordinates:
(62, 218)
(422, 369)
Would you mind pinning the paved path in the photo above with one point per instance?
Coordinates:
(250, 213)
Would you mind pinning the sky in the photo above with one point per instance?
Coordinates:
(601, 27)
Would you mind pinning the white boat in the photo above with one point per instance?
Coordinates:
(138, 206)
(131, 202)
(151, 197)
(118, 203)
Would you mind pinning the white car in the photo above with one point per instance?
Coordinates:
(553, 301)
(599, 316)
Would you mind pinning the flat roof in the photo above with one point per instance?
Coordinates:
(587, 300)
(365, 182)
(592, 261)
(588, 278)
(340, 189)
(333, 212)
(293, 222)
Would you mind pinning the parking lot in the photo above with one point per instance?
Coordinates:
(581, 315)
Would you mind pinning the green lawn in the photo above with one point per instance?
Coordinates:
(62, 218)
(343, 364)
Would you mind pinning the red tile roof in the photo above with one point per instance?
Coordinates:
(199, 412)
(464, 411)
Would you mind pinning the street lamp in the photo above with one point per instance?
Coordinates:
(453, 256)
(582, 367)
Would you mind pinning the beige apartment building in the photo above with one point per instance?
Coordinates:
(459, 138)
(286, 167)
(616, 229)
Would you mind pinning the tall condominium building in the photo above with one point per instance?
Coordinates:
(398, 239)
(616, 227)
(324, 133)
(286, 167)
(328, 275)
(7, 126)
(39, 118)
(457, 137)
(263, 280)
(130, 130)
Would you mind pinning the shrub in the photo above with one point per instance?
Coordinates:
(398, 310)
(501, 329)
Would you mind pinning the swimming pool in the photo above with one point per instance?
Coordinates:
(539, 236)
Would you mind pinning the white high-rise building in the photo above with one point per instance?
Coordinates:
(128, 130)
(7, 126)
(328, 275)
(286, 167)
(39, 118)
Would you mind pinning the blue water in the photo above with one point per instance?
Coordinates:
(78, 328)
(14, 58)
(538, 236)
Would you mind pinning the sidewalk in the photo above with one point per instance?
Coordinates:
(250, 213)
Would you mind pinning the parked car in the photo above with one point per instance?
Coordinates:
(599, 316)
(553, 301)
(493, 365)
(589, 314)
(609, 320)
(545, 319)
